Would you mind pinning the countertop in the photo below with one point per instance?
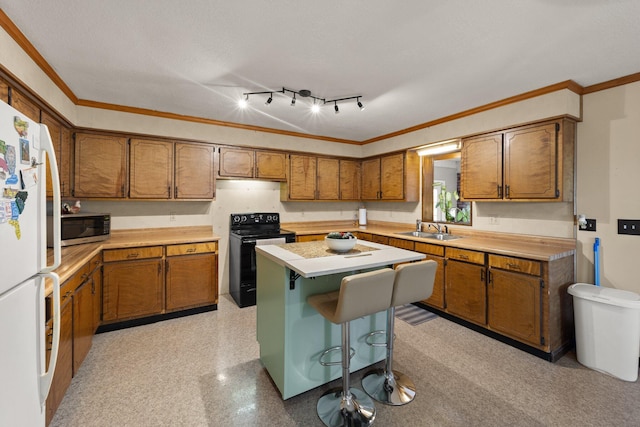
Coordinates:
(381, 256)
(73, 257)
(524, 246)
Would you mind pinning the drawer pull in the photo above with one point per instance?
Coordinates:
(190, 250)
(513, 266)
(133, 255)
(463, 256)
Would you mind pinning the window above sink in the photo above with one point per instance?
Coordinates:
(441, 189)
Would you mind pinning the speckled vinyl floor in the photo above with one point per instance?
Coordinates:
(204, 370)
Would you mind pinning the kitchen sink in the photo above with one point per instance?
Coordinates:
(435, 236)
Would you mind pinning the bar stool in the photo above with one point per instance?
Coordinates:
(413, 282)
(360, 295)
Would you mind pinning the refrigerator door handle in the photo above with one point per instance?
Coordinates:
(47, 146)
(46, 377)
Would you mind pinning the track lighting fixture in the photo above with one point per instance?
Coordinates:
(304, 93)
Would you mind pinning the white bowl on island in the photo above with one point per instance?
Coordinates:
(341, 244)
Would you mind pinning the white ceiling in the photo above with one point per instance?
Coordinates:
(412, 61)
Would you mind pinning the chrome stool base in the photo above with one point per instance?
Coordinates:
(355, 410)
(396, 389)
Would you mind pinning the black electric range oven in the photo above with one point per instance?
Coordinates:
(246, 231)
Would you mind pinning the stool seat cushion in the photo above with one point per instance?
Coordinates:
(360, 295)
(413, 282)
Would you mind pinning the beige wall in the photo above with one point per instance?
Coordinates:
(608, 173)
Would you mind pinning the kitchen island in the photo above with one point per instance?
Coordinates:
(291, 334)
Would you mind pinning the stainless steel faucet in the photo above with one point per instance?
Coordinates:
(418, 225)
(436, 226)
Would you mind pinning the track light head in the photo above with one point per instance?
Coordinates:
(293, 100)
(315, 108)
(360, 106)
(243, 102)
(335, 107)
(269, 100)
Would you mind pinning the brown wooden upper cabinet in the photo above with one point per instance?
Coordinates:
(527, 163)
(194, 171)
(100, 166)
(151, 169)
(234, 162)
(327, 179)
(4, 91)
(23, 104)
(350, 179)
(321, 178)
(302, 177)
(62, 145)
(393, 177)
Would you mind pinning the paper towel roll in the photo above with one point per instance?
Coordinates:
(362, 216)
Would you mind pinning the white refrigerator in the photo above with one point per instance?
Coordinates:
(24, 378)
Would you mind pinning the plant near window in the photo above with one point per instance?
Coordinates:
(448, 203)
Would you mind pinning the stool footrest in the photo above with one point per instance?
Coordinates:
(352, 352)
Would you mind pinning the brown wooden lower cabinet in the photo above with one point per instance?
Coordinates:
(191, 275)
(64, 364)
(96, 291)
(146, 281)
(132, 289)
(437, 296)
(82, 323)
(514, 305)
(466, 291)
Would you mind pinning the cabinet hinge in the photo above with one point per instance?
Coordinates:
(557, 127)
(557, 193)
(542, 341)
(541, 284)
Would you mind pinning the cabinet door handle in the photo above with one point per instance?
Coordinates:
(499, 191)
(175, 191)
(483, 276)
(506, 187)
(490, 278)
(168, 191)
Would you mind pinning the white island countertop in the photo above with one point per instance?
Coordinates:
(295, 257)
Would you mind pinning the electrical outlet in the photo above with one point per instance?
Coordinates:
(629, 226)
(172, 216)
(494, 220)
(591, 225)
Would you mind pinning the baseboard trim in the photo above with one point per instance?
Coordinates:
(550, 357)
(153, 319)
